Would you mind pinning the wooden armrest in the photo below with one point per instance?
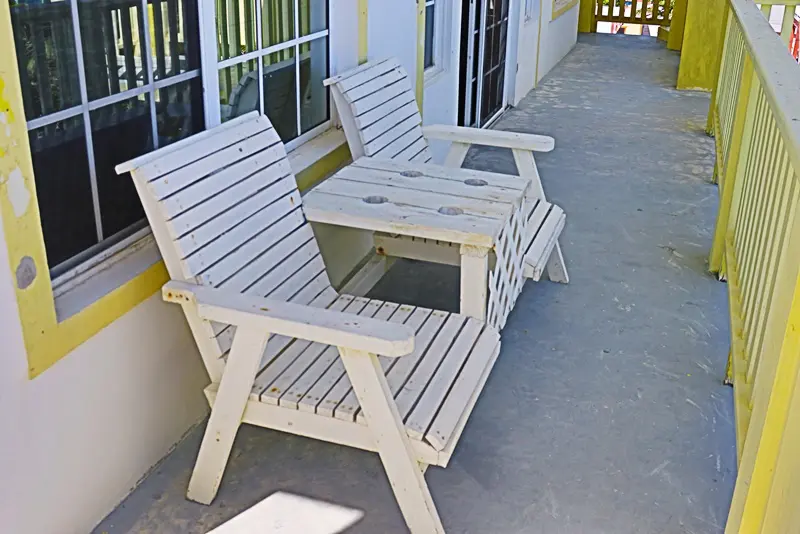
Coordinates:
(294, 320)
(498, 138)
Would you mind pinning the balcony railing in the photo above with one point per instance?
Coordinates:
(756, 114)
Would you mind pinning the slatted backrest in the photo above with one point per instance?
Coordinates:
(379, 112)
(226, 213)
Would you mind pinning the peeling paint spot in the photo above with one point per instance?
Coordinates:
(17, 192)
(4, 122)
(26, 272)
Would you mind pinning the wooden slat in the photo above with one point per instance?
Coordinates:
(390, 121)
(375, 85)
(386, 104)
(438, 387)
(468, 384)
(295, 360)
(444, 173)
(408, 220)
(259, 170)
(411, 317)
(407, 397)
(447, 196)
(169, 184)
(186, 151)
(374, 146)
(352, 72)
(404, 140)
(362, 76)
(237, 229)
(413, 151)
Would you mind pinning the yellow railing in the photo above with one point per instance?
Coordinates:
(633, 11)
(756, 114)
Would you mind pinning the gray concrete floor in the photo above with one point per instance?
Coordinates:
(605, 412)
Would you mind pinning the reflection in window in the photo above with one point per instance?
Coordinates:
(286, 82)
(114, 113)
(430, 13)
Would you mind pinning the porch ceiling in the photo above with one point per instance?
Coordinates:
(605, 411)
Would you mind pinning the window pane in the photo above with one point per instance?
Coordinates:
(313, 16)
(280, 92)
(313, 94)
(120, 132)
(63, 188)
(238, 89)
(112, 34)
(179, 111)
(277, 21)
(236, 28)
(45, 44)
(429, 26)
(173, 37)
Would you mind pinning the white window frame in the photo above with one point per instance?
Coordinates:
(442, 30)
(211, 65)
(84, 109)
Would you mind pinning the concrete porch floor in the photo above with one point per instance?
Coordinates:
(605, 411)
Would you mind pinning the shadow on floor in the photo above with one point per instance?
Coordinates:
(605, 411)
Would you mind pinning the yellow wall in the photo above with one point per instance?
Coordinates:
(702, 39)
(586, 23)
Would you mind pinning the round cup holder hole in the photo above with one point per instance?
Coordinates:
(448, 210)
(375, 199)
(477, 182)
(411, 174)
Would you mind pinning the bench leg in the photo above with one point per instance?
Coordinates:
(474, 281)
(556, 268)
(226, 414)
(384, 421)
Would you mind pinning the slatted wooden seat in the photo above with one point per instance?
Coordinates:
(282, 348)
(380, 118)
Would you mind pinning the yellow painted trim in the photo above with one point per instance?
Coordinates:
(363, 30)
(586, 22)
(558, 11)
(538, 48)
(46, 340)
(323, 168)
(420, 88)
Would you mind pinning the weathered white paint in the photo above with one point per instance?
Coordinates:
(77, 438)
(558, 36)
(527, 50)
(18, 194)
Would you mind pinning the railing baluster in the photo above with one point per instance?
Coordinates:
(127, 47)
(787, 24)
(172, 21)
(158, 33)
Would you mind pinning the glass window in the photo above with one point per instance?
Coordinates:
(101, 84)
(283, 76)
(430, 28)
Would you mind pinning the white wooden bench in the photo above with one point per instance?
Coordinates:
(380, 118)
(282, 348)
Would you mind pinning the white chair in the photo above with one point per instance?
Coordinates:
(380, 118)
(282, 348)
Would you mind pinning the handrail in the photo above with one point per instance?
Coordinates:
(777, 71)
(756, 246)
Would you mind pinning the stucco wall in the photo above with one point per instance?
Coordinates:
(558, 36)
(77, 438)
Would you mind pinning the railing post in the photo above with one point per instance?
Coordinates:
(741, 134)
(586, 18)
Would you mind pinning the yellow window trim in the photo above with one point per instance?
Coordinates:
(46, 339)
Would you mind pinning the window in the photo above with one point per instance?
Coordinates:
(101, 84)
(273, 57)
(430, 31)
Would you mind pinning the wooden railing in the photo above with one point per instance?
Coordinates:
(756, 114)
(633, 11)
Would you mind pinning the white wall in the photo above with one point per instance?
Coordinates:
(77, 438)
(558, 36)
(527, 44)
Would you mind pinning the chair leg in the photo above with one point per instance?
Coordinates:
(556, 268)
(399, 460)
(226, 414)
